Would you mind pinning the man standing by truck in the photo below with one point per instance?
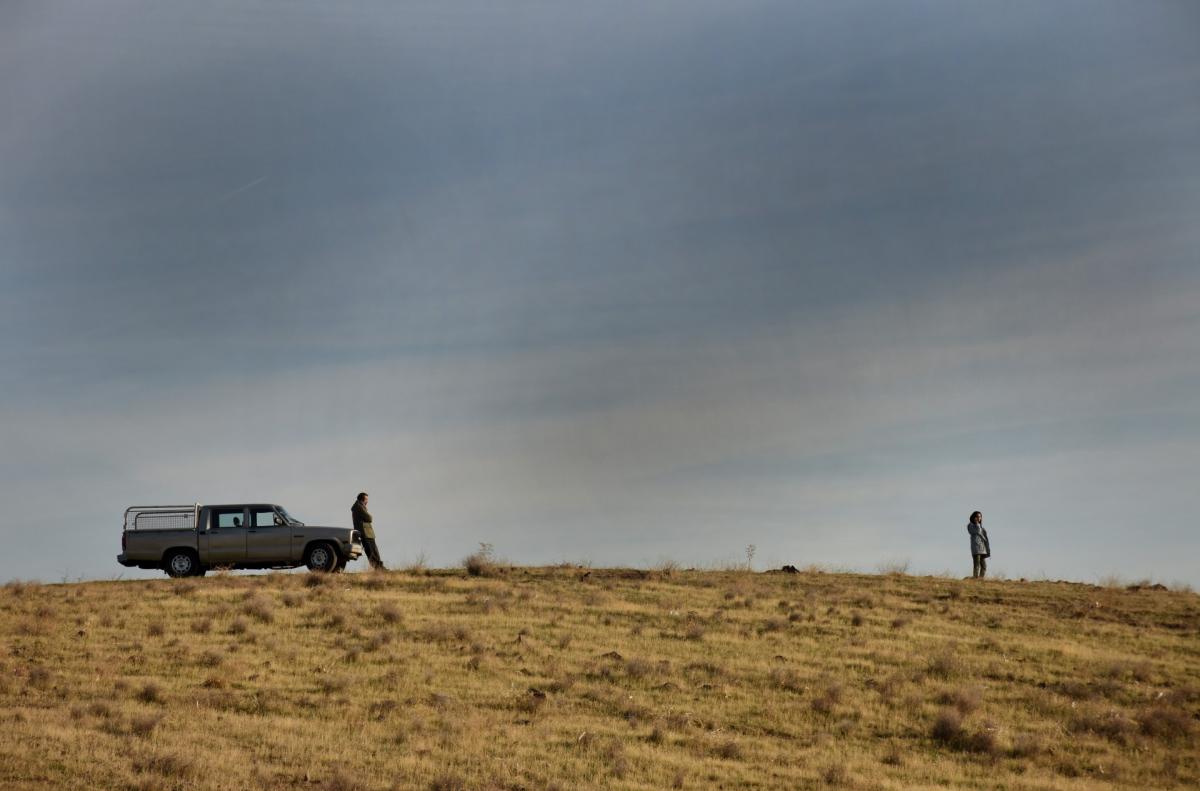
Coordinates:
(362, 523)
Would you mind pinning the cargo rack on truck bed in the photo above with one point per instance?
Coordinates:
(162, 517)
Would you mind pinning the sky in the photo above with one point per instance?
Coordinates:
(609, 283)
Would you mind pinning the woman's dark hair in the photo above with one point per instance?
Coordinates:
(361, 495)
(973, 515)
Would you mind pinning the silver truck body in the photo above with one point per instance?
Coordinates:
(187, 540)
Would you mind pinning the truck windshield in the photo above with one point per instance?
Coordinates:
(288, 518)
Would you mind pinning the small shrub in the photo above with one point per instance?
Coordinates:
(259, 609)
(211, 658)
(156, 629)
(330, 684)
(773, 625)
(481, 563)
(448, 783)
(836, 775)
(964, 700)
(1025, 746)
(618, 764)
(145, 724)
(1112, 725)
(983, 741)
(390, 613)
(943, 665)
(638, 668)
(340, 781)
(151, 693)
(896, 568)
(786, 679)
(378, 640)
(101, 710)
(728, 749)
(202, 626)
(171, 765)
(238, 626)
(947, 728)
(1167, 724)
(828, 699)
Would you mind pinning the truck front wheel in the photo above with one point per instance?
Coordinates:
(181, 563)
(321, 557)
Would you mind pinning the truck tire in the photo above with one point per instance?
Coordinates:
(181, 563)
(321, 557)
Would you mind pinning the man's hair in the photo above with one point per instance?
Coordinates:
(361, 495)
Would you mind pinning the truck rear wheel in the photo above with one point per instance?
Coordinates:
(321, 557)
(181, 563)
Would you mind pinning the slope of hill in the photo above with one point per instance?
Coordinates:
(570, 678)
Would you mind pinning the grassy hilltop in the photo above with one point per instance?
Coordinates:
(568, 678)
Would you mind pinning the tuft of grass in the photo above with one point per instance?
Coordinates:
(211, 658)
(836, 775)
(636, 667)
(259, 609)
(390, 613)
(895, 568)
(144, 725)
(786, 679)
(943, 665)
(447, 782)
(963, 699)
(1026, 746)
(173, 765)
(728, 749)
(1112, 724)
(948, 728)
(830, 697)
(151, 693)
(1165, 723)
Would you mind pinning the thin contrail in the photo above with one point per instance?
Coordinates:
(241, 189)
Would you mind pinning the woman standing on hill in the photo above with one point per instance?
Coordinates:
(981, 550)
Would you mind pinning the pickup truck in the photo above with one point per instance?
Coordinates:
(188, 540)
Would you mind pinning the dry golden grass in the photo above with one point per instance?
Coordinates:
(571, 678)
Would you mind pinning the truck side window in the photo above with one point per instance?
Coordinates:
(265, 519)
(229, 518)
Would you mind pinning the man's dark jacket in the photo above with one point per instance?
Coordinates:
(362, 520)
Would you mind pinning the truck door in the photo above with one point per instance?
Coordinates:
(269, 538)
(226, 537)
